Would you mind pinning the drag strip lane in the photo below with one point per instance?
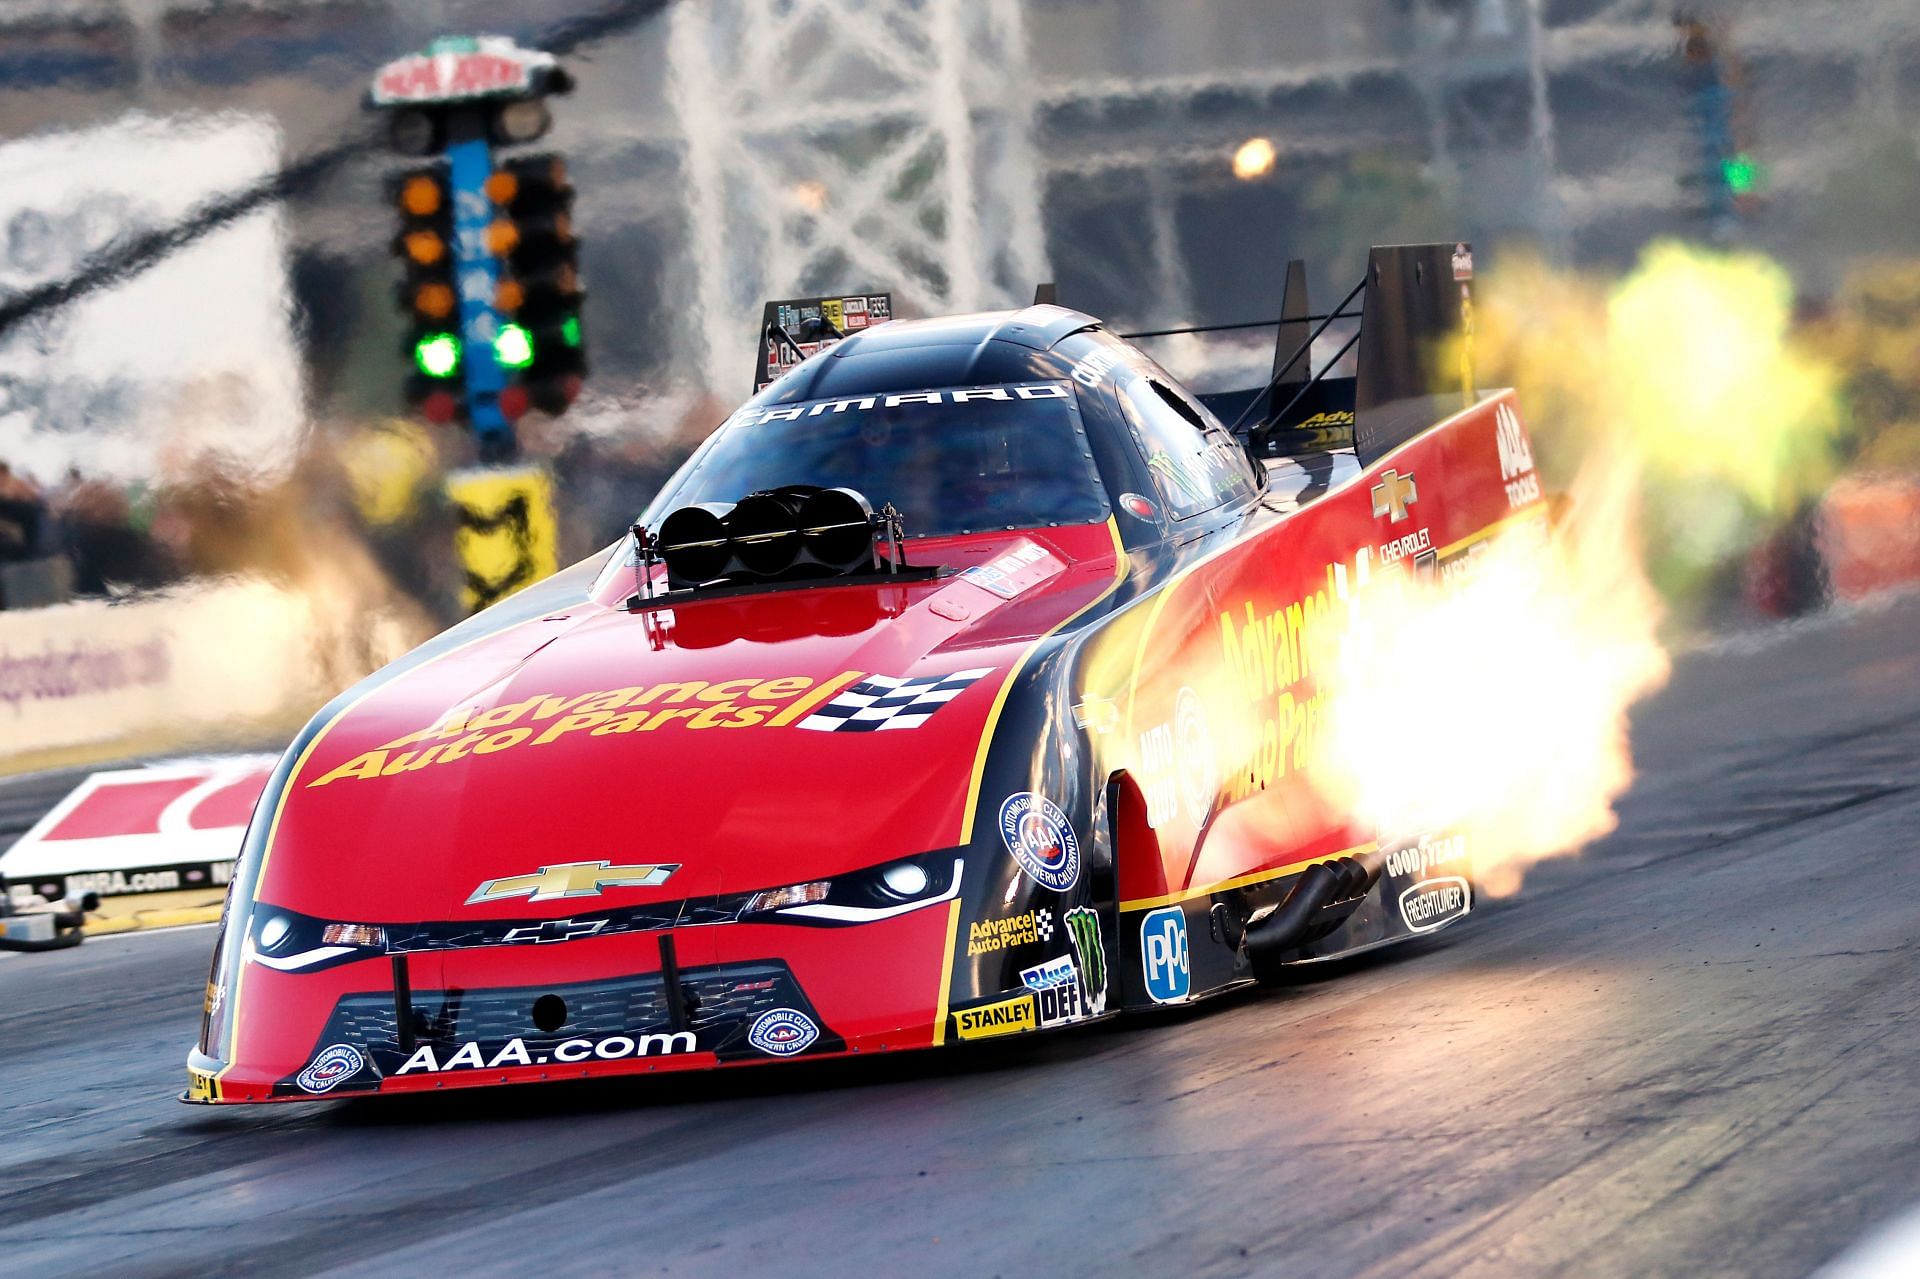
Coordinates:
(1694, 1050)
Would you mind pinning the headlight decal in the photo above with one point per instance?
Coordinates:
(842, 914)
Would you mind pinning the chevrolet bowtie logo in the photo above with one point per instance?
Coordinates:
(548, 930)
(574, 879)
(1393, 495)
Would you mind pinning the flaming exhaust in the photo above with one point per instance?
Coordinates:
(1530, 664)
(1681, 418)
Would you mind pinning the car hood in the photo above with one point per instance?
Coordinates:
(736, 743)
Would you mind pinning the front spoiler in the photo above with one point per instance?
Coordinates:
(586, 1009)
(206, 1087)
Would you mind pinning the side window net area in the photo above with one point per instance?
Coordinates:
(1196, 467)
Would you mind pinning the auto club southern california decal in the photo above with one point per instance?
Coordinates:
(1041, 839)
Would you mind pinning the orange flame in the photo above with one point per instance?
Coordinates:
(1680, 387)
(1506, 693)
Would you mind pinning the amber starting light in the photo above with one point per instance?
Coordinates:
(425, 247)
(434, 300)
(420, 196)
(502, 187)
(503, 237)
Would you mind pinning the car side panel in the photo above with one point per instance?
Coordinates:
(1206, 692)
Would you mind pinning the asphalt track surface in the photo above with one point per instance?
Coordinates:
(1695, 1050)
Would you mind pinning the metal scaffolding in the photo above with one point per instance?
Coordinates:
(830, 144)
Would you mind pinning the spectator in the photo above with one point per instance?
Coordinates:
(103, 539)
(23, 516)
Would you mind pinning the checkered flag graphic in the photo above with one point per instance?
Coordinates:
(882, 701)
(1043, 923)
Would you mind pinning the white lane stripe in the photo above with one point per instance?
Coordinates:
(1889, 1251)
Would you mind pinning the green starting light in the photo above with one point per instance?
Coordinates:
(1741, 173)
(570, 330)
(513, 347)
(437, 354)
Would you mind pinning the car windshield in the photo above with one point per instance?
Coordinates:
(961, 460)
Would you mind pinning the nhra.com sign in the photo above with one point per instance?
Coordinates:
(175, 825)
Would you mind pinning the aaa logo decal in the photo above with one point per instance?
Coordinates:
(1193, 755)
(334, 1065)
(783, 1032)
(1041, 839)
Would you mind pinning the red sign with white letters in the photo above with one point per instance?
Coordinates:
(169, 826)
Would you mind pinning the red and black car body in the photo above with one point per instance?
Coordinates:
(1047, 759)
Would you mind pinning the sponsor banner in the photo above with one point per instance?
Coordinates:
(1095, 365)
(173, 668)
(1060, 1005)
(508, 537)
(1003, 1017)
(1058, 993)
(141, 830)
(202, 1086)
(1163, 955)
(1177, 764)
(1433, 902)
(334, 1066)
(1055, 972)
(566, 1052)
(1083, 927)
(1412, 545)
(181, 877)
(749, 701)
(457, 70)
(1041, 839)
(1012, 572)
(783, 1032)
(1431, 851)
(985, 936)
(1193, 756)
(802, 320)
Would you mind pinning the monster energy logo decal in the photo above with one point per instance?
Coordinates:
(1083, 926)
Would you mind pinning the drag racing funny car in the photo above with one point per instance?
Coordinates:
(962, 684)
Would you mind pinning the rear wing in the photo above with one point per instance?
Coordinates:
(1414, 365)
(794, 329)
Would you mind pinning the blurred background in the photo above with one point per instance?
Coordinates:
(203, 366)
